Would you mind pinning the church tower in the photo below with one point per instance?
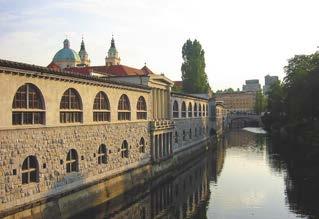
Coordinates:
(85, 61)
(112, 55)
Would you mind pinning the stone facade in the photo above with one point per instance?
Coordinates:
(51, 141)
(238, 101)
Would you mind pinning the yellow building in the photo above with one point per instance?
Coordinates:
(238, 101)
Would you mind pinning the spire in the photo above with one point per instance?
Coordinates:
(66, 43)
(85, 61)
(112, 43)
(112, 57)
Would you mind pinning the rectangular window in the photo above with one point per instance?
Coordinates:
(141, 115)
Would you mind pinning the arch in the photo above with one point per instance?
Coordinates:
(142, 145)
(195, 110)
(124, 149)
(190, 110)
(199, 110)
(183, 109)
(175, 110)
(124, 108)
(72, 161)
(28, 107)
(102, 154)
(141, 112)
(30, 170)
(101, 107)
(190, 133)
(70, 107)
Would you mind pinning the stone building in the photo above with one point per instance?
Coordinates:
(241, 102)
(251, 86)
(269, 80)
(85, 134)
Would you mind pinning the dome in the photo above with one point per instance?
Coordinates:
(66, 54)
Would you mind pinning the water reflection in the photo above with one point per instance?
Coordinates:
(245, 176)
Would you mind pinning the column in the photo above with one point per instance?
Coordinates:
(154, 103)
(171, 142)
(164, 144)
(156, 147)
(160, 146)
(167, 143)
(163, 104)
(158, 100)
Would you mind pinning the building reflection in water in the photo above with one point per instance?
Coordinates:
(183, 195)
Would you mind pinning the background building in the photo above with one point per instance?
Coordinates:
(238, 101)
(251, 85)
(269, 80)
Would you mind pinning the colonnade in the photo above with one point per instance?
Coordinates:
(160, 99)
(162, 144)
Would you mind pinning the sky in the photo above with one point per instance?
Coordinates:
(244, 39)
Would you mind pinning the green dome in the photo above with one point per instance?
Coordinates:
(66, 54)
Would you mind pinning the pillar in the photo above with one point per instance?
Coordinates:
(164, 144)
(154, 103)
(156, 147)
(160, 145)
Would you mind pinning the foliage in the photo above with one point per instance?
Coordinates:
(193, 68)
(260, 104)
(294, 103)
(228, 90)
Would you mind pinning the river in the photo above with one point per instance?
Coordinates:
(244, 176)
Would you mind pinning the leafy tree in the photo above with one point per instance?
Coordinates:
(193, 68)
(260, 104)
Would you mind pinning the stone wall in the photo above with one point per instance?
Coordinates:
(51, 145)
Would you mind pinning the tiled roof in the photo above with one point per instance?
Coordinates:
(115, 70)
(54, 66)
(35, 69)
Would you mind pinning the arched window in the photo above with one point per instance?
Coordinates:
(102, 154)
(28, 106)
(199, 110)
(183, 109)
(190, 110)
(101, 108)
(72, 161)
(206, 110)
(142, 145)
(175, 109)
(30, 170)
(190, 133)
(124, 149)
(141, 112)
(124, 109)
(176, 137)
(70, 107)
(195, 110)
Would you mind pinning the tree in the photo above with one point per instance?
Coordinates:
(193, 68)
(260, 104)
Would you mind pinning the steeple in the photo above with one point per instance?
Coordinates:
(85, 61)
(112, 57)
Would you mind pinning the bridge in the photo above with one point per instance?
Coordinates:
(242, 120)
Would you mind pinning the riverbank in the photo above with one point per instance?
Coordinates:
(68, 204)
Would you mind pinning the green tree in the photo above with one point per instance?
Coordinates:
(260, 104)
(193, 68)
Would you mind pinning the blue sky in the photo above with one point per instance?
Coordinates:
(242, 40)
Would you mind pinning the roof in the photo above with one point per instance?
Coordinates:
(188, 95)
(54, 66)
(115, 70)
(35, 69)
(66, 54)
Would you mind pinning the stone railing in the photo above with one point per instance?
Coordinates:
(162, 124)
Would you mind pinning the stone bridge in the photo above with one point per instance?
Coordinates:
(243, 120)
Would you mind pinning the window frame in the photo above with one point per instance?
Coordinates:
(101, 110)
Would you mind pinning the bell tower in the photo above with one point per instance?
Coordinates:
(112, 57)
